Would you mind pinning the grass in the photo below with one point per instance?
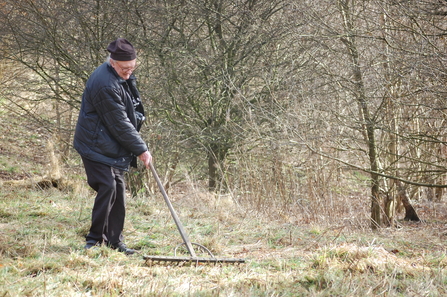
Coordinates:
(41, 253)
(42, 237)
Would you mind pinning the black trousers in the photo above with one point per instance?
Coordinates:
(109, 209)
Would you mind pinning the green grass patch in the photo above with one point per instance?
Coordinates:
(42, 237)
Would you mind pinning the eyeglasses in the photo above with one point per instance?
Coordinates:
(127, 69)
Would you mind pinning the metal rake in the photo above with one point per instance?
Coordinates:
(193, 258)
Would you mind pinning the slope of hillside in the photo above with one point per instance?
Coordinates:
(42, 236)
(22, 147)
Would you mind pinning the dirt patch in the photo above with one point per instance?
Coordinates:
(4, 175)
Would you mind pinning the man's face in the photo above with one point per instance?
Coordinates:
(124, 68)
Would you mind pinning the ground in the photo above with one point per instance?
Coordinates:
(42, 236)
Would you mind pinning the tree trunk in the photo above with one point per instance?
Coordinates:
(410, 212)
(390, 207)
(365, 117)
(216, 158)
(391, 111)
(212, 172)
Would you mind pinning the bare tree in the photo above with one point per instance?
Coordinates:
(211, 53)
(286, 99)
(382, 69)
(57, 45)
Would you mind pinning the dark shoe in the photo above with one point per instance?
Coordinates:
(121, 247)
(91, 244)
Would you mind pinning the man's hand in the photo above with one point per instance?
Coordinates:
(146, 158)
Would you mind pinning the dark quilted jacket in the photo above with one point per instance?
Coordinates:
(107, 128)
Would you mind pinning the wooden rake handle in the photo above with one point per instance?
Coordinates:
(173, 213)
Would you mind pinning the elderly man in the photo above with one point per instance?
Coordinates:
(108, 141)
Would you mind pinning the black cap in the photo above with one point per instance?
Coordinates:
(122, 50)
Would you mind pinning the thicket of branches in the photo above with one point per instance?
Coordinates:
(281, 103)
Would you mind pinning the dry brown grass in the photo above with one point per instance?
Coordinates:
(314, 247)
(42, 237)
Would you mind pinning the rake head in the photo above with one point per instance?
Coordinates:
(190, 260)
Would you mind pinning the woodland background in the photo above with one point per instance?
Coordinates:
(284, 106)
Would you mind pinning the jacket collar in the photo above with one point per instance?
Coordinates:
(120, 79)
